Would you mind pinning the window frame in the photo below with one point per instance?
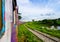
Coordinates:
(2, 31)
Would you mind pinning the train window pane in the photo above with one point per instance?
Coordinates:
(2, 21)
(0, 15)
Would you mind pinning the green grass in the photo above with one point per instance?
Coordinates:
(52, 32)
(26, 36)
(58, 21)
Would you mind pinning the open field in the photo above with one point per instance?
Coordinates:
(43, 28)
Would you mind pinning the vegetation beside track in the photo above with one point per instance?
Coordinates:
(24, 35)
(43, 28)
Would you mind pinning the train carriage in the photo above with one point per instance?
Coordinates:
(8, 19)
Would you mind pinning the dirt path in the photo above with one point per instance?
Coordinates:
(42, 36)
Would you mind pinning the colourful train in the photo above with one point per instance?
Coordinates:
(2, 15)
(8, 19)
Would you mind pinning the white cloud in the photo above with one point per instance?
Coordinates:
(27, 9)
(23, 1)
(37, 10)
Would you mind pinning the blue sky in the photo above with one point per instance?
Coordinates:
(39, 9)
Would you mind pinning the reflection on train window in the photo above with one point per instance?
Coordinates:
(1, 16)
(2, 21)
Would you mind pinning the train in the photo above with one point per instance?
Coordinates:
(8, 19)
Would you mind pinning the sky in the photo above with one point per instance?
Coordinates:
(38, 9)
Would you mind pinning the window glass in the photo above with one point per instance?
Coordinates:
(2, 19)
(0, 15)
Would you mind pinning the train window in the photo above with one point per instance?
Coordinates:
(2, 21)
(1, 24)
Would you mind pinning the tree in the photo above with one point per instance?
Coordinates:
(33, 20)
(44, 21)
(19, 17)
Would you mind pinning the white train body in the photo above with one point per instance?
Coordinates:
(8, 21)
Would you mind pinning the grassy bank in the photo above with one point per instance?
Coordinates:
(43, 28)
(26, 36)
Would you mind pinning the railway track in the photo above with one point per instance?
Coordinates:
(44, 37)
